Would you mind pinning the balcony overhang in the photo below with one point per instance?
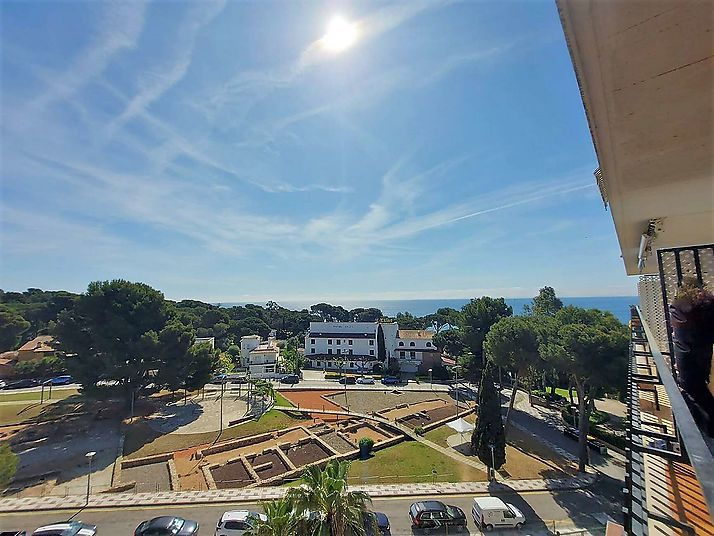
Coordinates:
(645, 75)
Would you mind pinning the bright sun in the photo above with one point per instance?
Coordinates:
(340, 35)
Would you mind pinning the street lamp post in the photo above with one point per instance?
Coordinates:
(223, 389)
(89, 456)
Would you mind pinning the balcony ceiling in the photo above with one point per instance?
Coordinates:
(645, 74)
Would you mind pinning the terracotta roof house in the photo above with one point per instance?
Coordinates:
(37, 348)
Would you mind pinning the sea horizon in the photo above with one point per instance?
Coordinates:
(617, 305)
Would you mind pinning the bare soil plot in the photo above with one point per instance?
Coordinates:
(313, 399)
(231, 475)
(373, 400)
(307, 453)
(431, 416)
(149, 478)
(293, 436)
(364, 430)
(268, 465)
(338, 443)
(398, 413)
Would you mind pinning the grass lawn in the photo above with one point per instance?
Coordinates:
(564, 393)
(280, 400)
(15, 413)
(411, 462)
(440, 434)
(34, 396)
(142, 440)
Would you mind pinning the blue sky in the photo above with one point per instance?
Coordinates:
(218, 151)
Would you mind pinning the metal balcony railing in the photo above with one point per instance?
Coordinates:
(660, 426)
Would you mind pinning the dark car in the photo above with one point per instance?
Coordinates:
(66, 528)
(13, 533)
(376, 524)
(290, 378)
(218, 379)
(22, 384)
(428, 515)
(60, 380)
(348, 380)
(390, 380)
(167, 526)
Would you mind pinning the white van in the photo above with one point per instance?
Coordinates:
(492, 512)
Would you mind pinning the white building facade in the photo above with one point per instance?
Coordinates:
(353, 346)
(258, 357)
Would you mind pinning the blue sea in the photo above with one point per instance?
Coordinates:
(617, 305)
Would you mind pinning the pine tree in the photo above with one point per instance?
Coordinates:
(489, 425)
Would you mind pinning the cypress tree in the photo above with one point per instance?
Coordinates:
(489, 425)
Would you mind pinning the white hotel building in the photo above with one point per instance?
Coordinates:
(353, 346)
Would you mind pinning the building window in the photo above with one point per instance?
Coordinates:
(312, 341)
(329, 364)
(312, 350)
(428, 344)
(339, 351)
(401, 354)
(412, 354)
(371, 342)
(401, 343)
(412, 344)
(329, 341)
(349, 342)
(329, 351)
(371, 352)
(338, 341)
(350, 351)
(352, 365)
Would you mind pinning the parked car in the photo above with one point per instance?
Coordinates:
(365, 380)
(290, 378)
(167, 526)
(428, 515)
(348, 380)
(219, 379)
(464, 393)
(66, 528)
(390, 380)
(60, 380)
(492, 512)
(238, 522)
(376, 524)
(22, 384)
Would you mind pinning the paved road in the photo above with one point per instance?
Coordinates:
(542, 509)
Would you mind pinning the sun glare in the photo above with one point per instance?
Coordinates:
(340, 35)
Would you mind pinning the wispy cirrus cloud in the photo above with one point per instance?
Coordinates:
(118, 28)
(171, 71)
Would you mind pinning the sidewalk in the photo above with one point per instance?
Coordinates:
(118, 500)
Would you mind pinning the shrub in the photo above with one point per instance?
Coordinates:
(607, 436)
(550, 397)
(570, 413)
(419, 430)
(366, 443)
(332, 375)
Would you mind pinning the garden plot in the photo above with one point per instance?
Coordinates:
(149, 478)
(401, 411)
(425, 418)
(337, 442)
(376, 401)
(231, 475)
(268, 465)
(355, 432)
(306, 453)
